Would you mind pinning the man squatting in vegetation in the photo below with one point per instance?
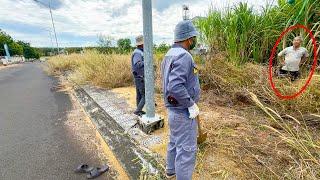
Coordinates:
(294, 57)
(137, 64)
(180, 83)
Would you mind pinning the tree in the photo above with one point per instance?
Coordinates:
(14, 48)
(71, 50)
(104, 41)
(17, 48)
(124, 45)
(45, 51)
(4, 39)
(162, 48)
(28, 51)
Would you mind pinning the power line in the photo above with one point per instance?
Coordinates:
(54, 29)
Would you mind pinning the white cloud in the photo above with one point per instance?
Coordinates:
(119, 19)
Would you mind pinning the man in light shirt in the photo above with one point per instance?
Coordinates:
(294, 56)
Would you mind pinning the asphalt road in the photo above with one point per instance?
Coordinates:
(34, 143)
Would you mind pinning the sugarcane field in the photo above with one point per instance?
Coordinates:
(152, 90)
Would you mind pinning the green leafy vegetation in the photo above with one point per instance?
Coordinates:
(17, 47)
(248, 36)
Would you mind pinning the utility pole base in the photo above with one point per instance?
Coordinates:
(148, 125)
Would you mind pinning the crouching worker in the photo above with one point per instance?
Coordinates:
(181, 93)
(294, 57)
(137, 64)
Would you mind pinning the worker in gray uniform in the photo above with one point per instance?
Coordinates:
(137, 64)
(181, 92)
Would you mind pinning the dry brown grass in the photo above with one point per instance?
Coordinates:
(59, 64)
(223, 77)
(107, 71)
(244, 142)
(282, 145)
(303, 159)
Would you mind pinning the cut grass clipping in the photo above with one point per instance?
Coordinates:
(305, 148)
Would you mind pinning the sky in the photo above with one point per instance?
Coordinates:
(78, 23)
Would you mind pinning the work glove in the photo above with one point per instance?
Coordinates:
(193, 111)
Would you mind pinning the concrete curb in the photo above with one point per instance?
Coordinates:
(136, 160)
(118, 109)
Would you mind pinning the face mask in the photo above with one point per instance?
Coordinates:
(193, 44)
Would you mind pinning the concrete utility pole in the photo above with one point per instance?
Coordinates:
(150, 121)
(148, 57)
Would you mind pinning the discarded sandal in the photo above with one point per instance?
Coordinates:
(96, 172)
(83, 168)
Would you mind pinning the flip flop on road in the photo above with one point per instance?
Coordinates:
(83, 168)
(96, 172)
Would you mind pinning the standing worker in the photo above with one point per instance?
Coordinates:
(181, 93)
(295, 56)
(137, 64)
